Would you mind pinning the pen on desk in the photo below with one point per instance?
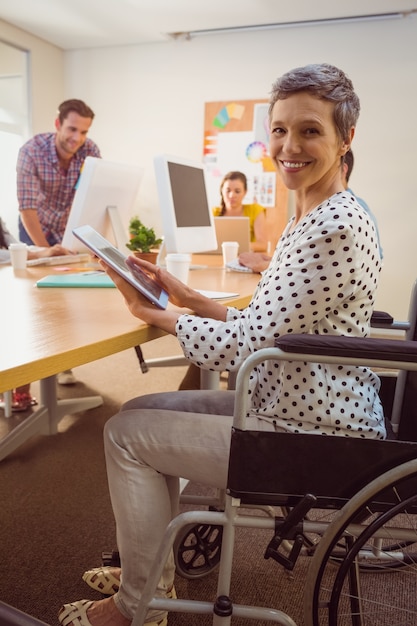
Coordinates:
(74, 270)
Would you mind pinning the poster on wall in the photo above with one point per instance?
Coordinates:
(236, 138)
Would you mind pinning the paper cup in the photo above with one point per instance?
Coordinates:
(179, 265)
(18, 255)
(230, 251)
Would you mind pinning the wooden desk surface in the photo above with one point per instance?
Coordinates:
(45, 331)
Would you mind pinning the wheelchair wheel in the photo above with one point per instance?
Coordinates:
(197, 550)
(376, 531)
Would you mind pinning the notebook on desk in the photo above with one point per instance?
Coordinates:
(232, 229)
(85, 279)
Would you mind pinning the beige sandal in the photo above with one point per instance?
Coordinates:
(103, 580)
(75, 613)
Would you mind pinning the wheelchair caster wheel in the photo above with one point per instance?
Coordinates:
(110, 559)
(197, 550)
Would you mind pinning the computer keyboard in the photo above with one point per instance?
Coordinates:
(194, 266)
(237, 267)
(63, 259)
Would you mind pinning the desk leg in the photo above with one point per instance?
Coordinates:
(6, 403)
(58, 408)
(44, 421)
(209, 379)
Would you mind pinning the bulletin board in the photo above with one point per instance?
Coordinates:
(236, 138)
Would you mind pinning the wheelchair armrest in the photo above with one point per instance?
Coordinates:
(385, 321)
(381, 319)
(360, 351)
(354, 347)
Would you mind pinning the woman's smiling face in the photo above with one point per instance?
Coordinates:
(304, 142)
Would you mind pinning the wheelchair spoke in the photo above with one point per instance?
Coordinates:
(197, 550)
(365, 571)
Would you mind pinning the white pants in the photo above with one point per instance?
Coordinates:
(149, 445)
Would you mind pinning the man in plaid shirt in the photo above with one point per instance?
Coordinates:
(48, 168)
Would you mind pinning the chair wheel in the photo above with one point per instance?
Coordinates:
(110, 559)
(197, 550)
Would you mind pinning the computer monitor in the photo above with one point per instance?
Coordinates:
(104, 199)
(187, 220)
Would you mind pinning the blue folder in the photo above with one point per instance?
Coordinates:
(81, 279)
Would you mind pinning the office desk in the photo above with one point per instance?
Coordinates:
(48, 330)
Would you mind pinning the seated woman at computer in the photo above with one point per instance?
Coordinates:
(233, 189)
(22, 399)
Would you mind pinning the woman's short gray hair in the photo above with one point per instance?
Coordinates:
(323, 81)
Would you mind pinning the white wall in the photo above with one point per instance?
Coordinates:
(150, 99)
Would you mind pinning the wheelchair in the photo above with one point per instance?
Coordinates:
(349, 504)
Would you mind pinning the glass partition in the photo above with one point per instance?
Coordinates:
(14, 125)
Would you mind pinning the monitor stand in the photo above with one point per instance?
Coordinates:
(120, 235)
(160, 261)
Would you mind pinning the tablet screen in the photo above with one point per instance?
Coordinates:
(120, 263)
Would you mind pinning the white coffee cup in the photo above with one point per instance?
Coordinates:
(18, 255)
(179, 265)
(230, 251)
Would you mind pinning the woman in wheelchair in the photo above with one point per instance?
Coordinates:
(322, 278)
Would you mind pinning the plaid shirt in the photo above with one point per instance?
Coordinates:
(43, 185)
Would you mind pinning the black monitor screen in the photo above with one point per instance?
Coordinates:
(189, 195)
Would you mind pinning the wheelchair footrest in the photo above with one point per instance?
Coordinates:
(290, 528)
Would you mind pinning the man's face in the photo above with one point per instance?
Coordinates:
(71, 134)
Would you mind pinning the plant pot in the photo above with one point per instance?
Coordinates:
(147, 256)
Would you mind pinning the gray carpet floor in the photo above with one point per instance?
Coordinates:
(56, 516)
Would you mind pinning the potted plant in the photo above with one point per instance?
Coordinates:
(143, 240)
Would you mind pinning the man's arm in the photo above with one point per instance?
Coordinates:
(28, 190)
(33, 227)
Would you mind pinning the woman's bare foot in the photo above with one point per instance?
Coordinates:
(116, 571)
(105, 613)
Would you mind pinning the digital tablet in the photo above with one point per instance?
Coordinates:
(120, 263)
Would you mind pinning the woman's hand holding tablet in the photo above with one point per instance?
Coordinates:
(104, 250)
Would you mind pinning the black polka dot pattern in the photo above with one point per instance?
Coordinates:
(322, 279)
